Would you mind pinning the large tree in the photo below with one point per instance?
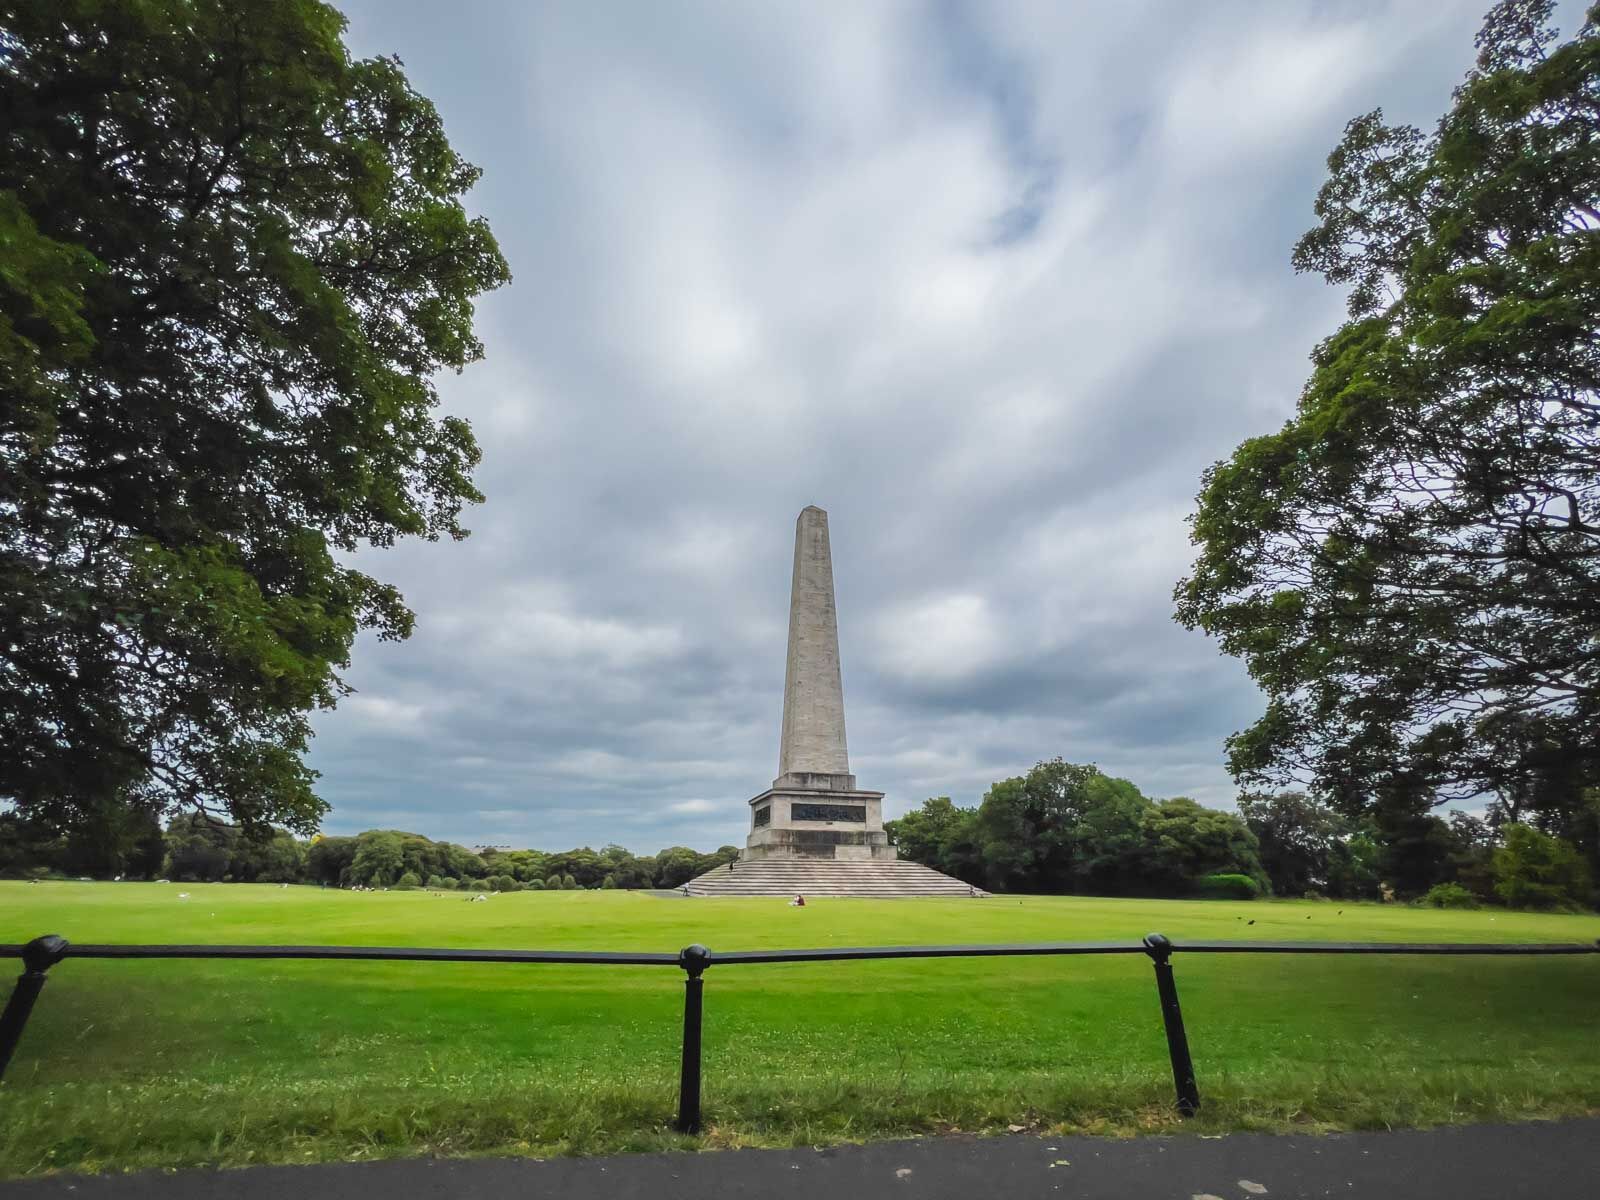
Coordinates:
(1296, 838)
(234, 258)
(1410, 568)
(1183, 841)
(940, 835)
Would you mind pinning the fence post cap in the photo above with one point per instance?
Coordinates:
(1157, 946)
(694, 959)
(44, 952)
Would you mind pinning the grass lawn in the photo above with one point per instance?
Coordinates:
(181, 1063)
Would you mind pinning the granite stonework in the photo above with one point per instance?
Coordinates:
(814, 808)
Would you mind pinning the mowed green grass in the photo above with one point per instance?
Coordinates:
(173, 1063)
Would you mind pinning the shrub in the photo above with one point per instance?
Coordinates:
(435, 882)
(1227, 887)
(502, 883)
(568, 883)
(408, 882)
(477, 885)
(1449, 895)
(449, 884)
(536, 884)
(610, 881)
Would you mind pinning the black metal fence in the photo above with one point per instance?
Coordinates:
(42, 953)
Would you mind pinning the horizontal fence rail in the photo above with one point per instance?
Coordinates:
(1524, 948)
(42, 953)
(379, 953)
(629, 958)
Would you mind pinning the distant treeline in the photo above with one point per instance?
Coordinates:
(1063, 828)
(1066, 828)
(193, 848)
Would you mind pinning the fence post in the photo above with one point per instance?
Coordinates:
(1160, 951)
(38, 956)
(694, 960)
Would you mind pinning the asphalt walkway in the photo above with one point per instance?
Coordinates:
(1550, 1161)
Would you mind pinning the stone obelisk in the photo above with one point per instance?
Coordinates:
(813, 691)
(813, 808)
(813, 832)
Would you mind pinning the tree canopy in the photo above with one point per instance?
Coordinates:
(234, 260)
(1067, 827)
(1410, 568)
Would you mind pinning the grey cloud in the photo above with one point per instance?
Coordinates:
(991, 283)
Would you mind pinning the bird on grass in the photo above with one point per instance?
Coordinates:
(1252, 920)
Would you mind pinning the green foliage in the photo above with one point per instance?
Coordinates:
(440, 883)
(1353, 866)
(536, 885)
(939, 835)
(1183, 841)
(1296, 839)
(29, 850)
(328, 859)
(198, 848)
(408, 882)
(1108, 839)
(1471, 855)
(679, 864)
(1025, 827)
(569, 883)
(1534, 870)
(477, 885)
(1410, 568)
(379, 859)
(1227, 887)
(582, 864)
(232, 262)
(1066, 827)
(1062, 827)
(1449, 895)
(269, 856)
(1416, 849)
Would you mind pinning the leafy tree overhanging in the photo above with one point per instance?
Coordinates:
(233, 260)
(1410, 568)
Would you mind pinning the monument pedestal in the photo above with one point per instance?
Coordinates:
(806, 814)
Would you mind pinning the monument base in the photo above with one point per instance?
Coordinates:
(809, 816)
(881, 879)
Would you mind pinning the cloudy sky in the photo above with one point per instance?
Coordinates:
(991, 283)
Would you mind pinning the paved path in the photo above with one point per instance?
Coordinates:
(1555, 1161)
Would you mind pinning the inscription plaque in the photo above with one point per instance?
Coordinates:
(828, 812)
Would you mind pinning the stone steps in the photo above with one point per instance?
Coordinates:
(828, 877)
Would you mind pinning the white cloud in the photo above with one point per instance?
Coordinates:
(383, 714)
(942, 638)
(695, 807)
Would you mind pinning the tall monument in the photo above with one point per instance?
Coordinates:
(813, 832)
(813, 808)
